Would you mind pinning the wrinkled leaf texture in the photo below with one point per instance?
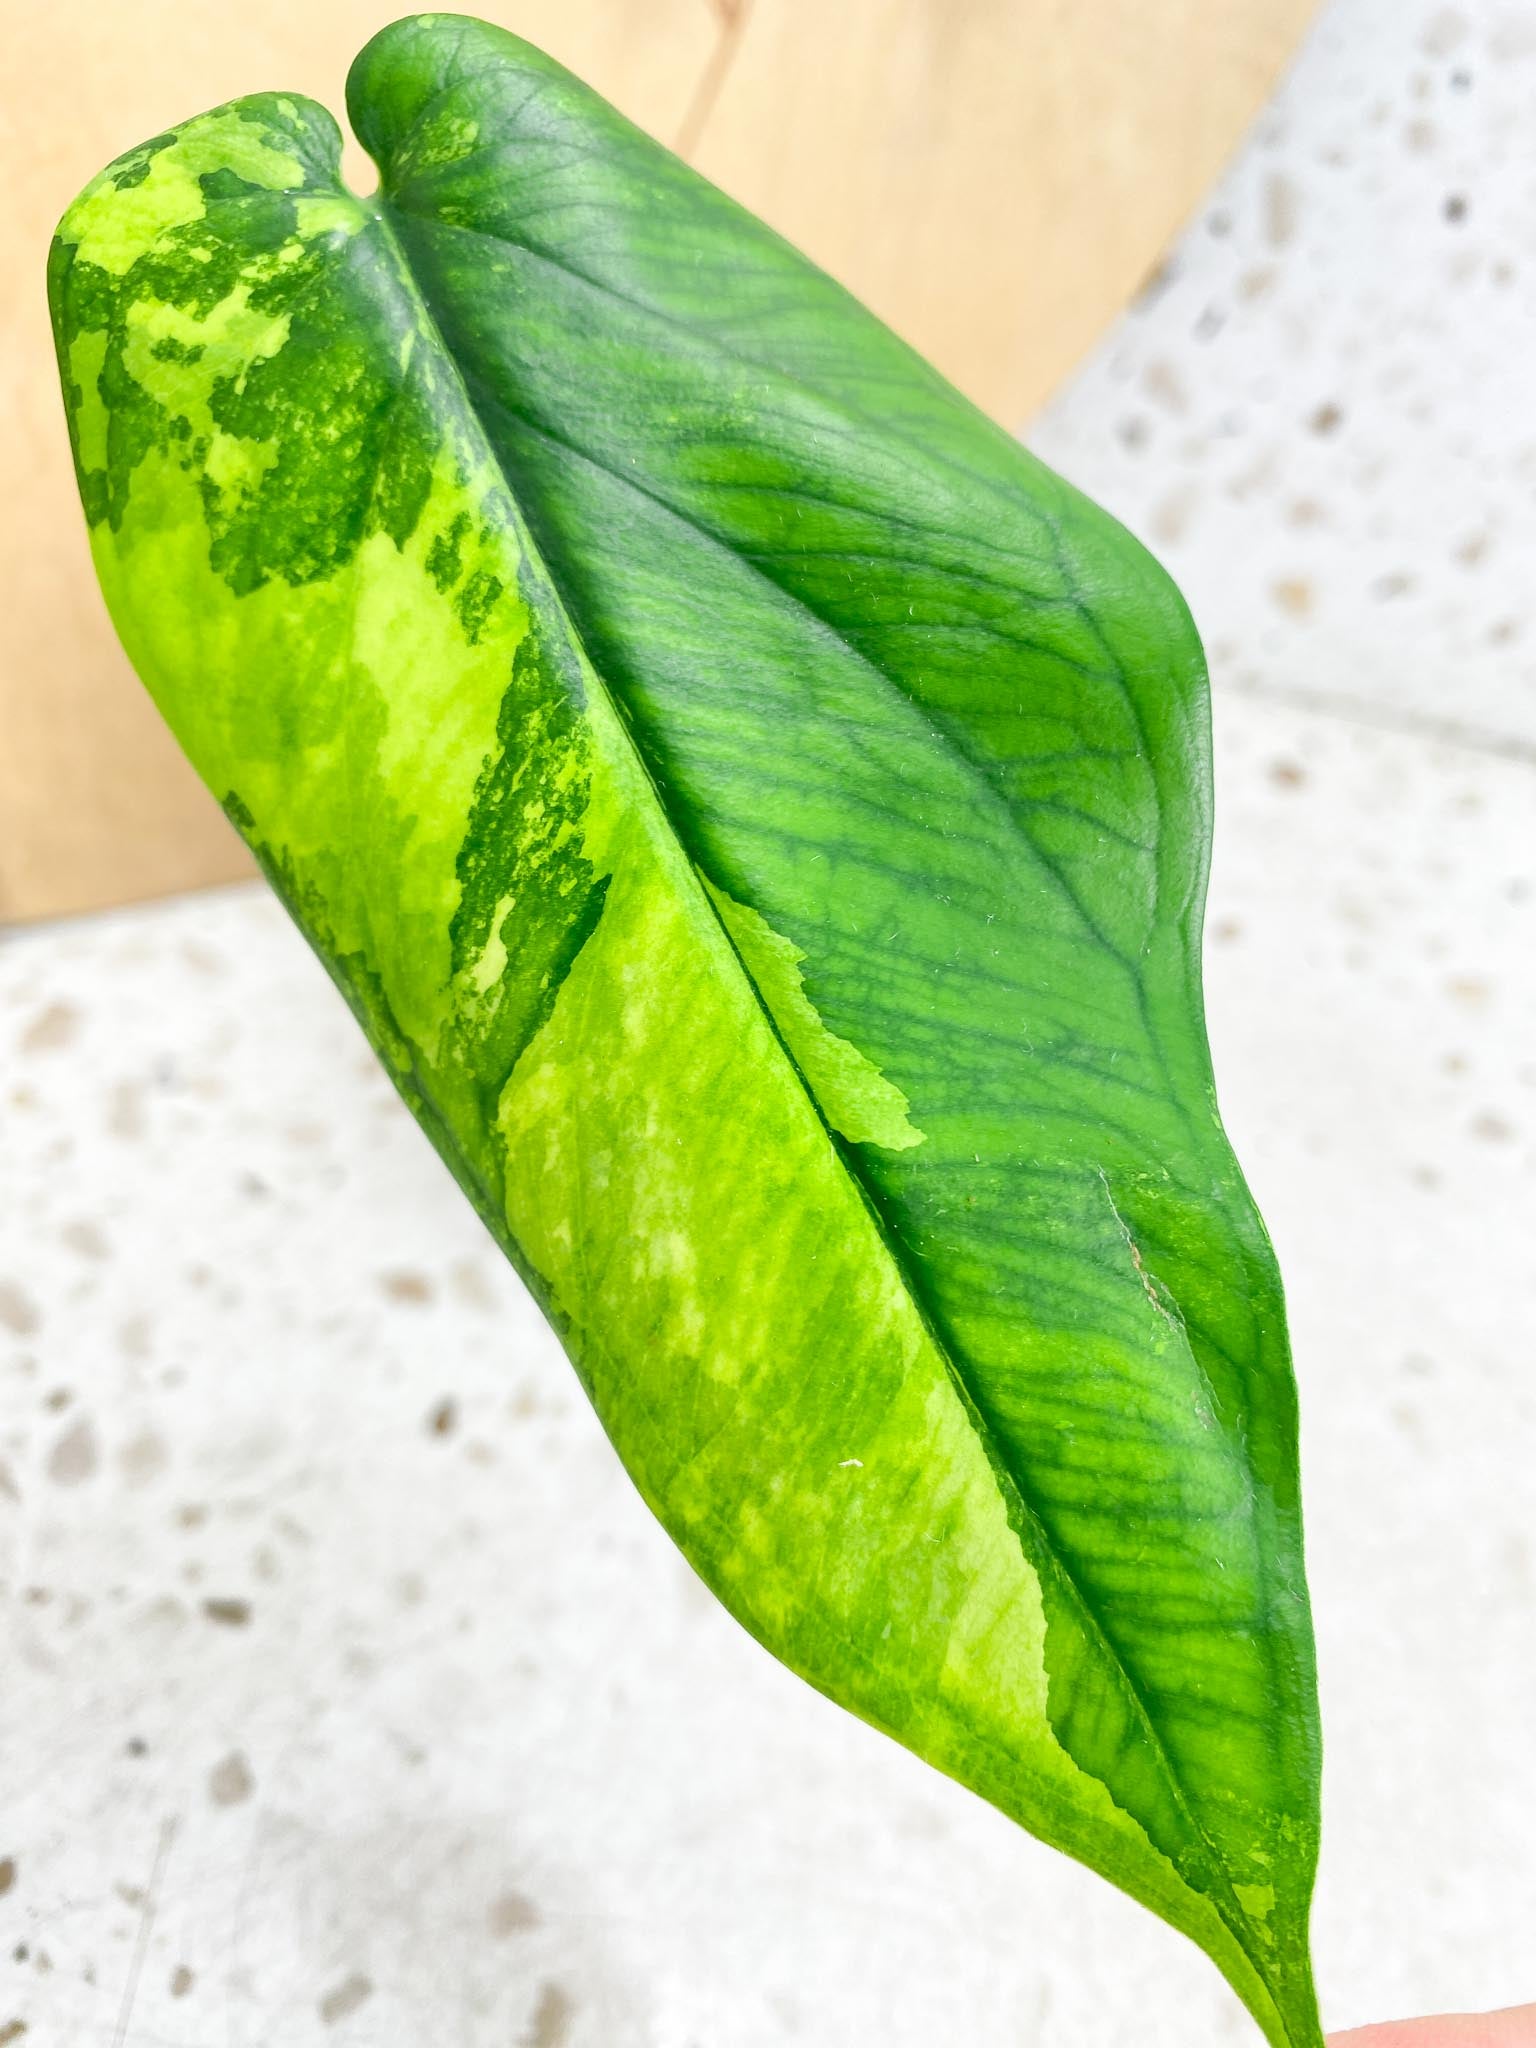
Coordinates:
(760, 816)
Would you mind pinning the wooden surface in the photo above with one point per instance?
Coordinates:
(995, 177)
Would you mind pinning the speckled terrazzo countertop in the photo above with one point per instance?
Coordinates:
(353, 1699)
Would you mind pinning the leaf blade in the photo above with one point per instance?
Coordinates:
(747, 335)
(621, 1001)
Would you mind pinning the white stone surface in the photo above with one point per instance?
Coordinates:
(1321, 414)
(353, 1699)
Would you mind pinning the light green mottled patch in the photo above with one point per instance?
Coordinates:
(1256, 1900)
(362, 747)
(87, 355)
(487, 969)
(182, 382)
(403, 630)
(113, 224)
(443, 138)
(233, 464)
(854, 1096)
(326, 213)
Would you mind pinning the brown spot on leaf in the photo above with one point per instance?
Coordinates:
(1287, 774)
(7, 1874)
(443, 1418)
(13, 2029)
(182, 1981)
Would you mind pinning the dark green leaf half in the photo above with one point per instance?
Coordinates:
(761, 818)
